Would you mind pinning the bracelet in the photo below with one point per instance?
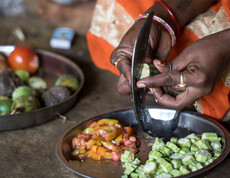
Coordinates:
(172, 15)
(165, 24)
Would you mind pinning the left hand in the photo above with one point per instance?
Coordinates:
(201, 65)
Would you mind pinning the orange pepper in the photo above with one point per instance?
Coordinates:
(101, 151)
(90, 143)
(94, 155)
(106, 122)
(108, 132)
(107, 155)
(94, 148)
(119, 138)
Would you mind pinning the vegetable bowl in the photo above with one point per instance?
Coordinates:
(189, 122)
(52, 66)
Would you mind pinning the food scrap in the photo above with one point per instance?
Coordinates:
(104, 139)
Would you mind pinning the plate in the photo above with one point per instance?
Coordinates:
(53, 66)
(189, 122)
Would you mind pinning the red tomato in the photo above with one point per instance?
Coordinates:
(25, 58)
(116, 156)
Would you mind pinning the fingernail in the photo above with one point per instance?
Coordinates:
(162, 63)
(141, 85)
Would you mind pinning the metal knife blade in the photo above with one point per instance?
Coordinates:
(138, 57)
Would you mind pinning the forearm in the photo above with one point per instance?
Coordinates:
(183, 10)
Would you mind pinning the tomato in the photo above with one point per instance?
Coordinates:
(116, 156)
(23, 58)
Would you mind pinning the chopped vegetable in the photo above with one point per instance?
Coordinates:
(177, 157)
(147, 70)
(107, 139)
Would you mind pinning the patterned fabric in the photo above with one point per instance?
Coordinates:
(112, 18)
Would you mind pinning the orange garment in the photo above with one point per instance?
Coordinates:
(100, 46)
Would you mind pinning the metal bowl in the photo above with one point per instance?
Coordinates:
(53, 66)
(189, 122)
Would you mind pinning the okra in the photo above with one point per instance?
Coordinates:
(194, 148)
(165, 151)
(139, 169)
(163, 175)
(150, 168)
(184, 142)
(155, 154)
(217, 154)
(166, 166)
(192, 167)
(173, 140)
(184, 150)
(199, 166)
(176, 173)
(130, 169)
(127, 156)
(176, 163)
(209, 161)
(210, 136)
(158, 144)
(216, 145)
(202, 155)
(134, 175)
(188, 159)
(203, 144)
(177, 156)
(173, 147)
(184, 170)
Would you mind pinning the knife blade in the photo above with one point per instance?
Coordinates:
(138, 57)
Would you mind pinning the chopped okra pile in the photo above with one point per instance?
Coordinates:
(177, 157)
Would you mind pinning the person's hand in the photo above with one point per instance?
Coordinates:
(201, 65)
(159, 46)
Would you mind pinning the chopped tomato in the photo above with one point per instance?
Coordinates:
(116, 155)
(133, 139)
(85, 136)
(127, 142)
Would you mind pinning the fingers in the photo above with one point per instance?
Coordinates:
(168, 79)
(180, 101)
(123, 86)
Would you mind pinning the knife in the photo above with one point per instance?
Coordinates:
(150, 122)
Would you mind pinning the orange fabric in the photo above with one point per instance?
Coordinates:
(226, 6)
(100, 51)
(216, 6)
(217, 103)
(186, 38)
(136, 7)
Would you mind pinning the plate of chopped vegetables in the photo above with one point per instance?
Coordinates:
(113, 145)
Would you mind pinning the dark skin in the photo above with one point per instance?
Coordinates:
(201, 62)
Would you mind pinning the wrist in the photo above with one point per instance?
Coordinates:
(161, 11)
